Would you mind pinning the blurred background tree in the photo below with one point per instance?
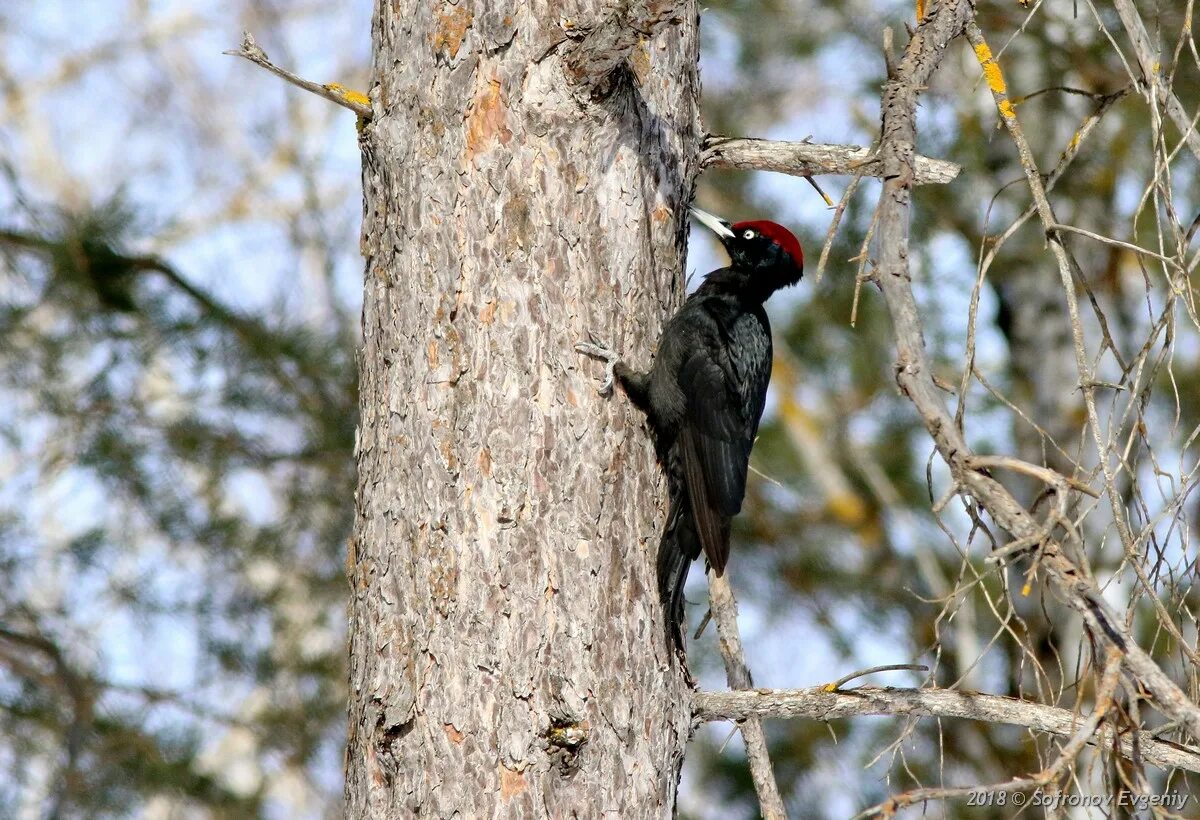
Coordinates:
(179, 290)
(178, 324)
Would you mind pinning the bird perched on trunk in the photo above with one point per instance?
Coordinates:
(704, 396)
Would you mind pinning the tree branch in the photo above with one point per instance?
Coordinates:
(914, 373)
(817, 703)
(1152, 74)
(806, 159)
(356, 101)
(1084, 734)
(724, 610)
(253, 333)
(1074, 583)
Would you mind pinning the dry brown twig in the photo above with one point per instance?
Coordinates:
(872, 670)
(1152, 76)
(1169, 696)
(914, 372)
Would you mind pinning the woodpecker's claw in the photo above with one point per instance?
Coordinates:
(598, 350)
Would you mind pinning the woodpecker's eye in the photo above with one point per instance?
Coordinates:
(749, 233)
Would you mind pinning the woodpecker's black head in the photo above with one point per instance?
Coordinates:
(765, 251)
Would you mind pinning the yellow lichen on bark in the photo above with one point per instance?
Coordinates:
(639, 61)
(348, 94)
(995, 79)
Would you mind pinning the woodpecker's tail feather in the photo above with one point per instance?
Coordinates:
(679, 547)
(672, 575)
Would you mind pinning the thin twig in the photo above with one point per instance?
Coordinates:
(831, 234)
(1044, 474)
(891, 667)
(1089, 603)
(1152, 75)
(1116, 243)
(821, 191)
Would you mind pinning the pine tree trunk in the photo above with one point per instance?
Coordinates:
(507, 650)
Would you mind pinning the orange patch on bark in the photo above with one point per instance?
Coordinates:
(431, 354)
(511, 783)
(446, 448)
(485, 461)
(451, 30)
(452, 733)
(487, 122)
(488, 314)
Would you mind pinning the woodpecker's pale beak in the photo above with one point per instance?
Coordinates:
(714, 223)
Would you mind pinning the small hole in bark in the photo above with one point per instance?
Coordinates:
(385, 745)
(393, 734)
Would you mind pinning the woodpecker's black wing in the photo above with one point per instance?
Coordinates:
(725, 381)
(706, 394)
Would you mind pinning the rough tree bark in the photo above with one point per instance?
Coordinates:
(507, 654)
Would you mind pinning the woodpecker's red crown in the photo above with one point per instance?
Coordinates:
(778, 234)
(764, 256)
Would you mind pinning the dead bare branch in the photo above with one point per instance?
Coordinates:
(1152, 74)
(1083, 736)
(1078, 588)
(803, 159)
(817, 703)
(334, 92)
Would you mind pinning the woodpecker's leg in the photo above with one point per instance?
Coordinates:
(598, 350)
(636, 385)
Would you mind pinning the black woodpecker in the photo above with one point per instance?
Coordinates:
(704, 396)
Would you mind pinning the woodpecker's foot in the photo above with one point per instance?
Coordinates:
(598, 350)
